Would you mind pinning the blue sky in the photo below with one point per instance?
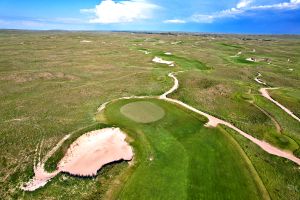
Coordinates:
(222, 16)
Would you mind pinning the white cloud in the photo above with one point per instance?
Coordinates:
(109, 11)
(175, 21)
(244, 3)
(242, 7)
(293, 4)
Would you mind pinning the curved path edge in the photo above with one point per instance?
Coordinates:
(212, 121)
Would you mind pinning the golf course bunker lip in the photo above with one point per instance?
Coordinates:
(142, 111)
(86, 156)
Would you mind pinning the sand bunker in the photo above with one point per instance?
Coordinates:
(258, 80)
(143, 111)
(251, 59)
(85, 41)
(168, 53)
(86, 156)
(161, 61)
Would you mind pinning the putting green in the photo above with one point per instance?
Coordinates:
(142, 111)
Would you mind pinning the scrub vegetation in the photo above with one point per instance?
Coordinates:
(51, 85)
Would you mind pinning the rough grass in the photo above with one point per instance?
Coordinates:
(51, 85)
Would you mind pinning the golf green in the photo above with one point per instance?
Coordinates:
(143, 111)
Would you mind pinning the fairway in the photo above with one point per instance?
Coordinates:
(143, 111)
(178, 158)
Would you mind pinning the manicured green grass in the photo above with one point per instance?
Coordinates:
(142, 111)
(178, 158)
(280, 177)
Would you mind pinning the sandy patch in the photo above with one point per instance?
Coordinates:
(85, 156)
(168, 53)
(161, 61)
(258, 80)
(85, 41)
(251, 59)
(95, 149)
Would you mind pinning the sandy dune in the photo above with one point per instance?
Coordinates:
(85, 156)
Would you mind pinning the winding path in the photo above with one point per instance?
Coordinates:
(42, 176)
(212, 121)
(264, 92)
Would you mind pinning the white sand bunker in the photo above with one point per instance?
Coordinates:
(86, 156)
(161, 61)
(251, 59)
(85, 41)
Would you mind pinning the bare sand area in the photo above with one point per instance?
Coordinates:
(86, 156)
(161, 61)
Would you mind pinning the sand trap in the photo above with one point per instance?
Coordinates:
(86, 156)
(258, 80)
(85, 41)
(168, 53)
(264, 92)
(143, 111)
(95, 149)
(251, 59)
(161, 61)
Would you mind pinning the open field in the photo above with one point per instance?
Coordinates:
(51, 84)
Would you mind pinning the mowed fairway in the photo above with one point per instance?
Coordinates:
(177, 157)
(143, 111)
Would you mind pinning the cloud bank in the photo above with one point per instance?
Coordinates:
(240, 8)
(110, 12)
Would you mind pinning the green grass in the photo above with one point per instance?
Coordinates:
(51, 85)
(180, 62)
(178, 158)
(142, 111)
